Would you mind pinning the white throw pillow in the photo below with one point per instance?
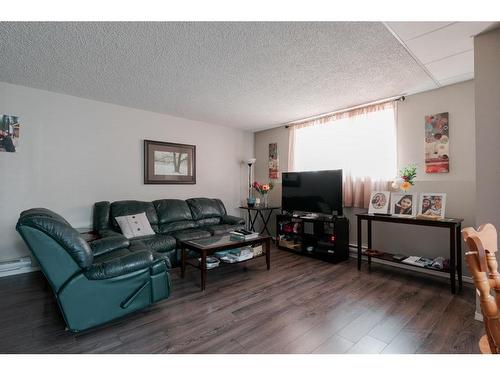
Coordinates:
(135, 225)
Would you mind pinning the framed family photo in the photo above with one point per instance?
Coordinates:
(169, 163)
(379, 202)
(404, 205)
(432, 205)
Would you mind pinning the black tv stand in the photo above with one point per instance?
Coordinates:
(322, 237)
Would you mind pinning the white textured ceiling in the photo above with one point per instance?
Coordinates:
(245, 75)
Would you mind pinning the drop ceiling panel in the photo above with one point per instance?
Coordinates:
(410, 30)
(450, 40)
(452, 66)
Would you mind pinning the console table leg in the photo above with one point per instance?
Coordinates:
(359, 243)
(452, 259)
(459, 255)
(252, 221)
(203, 269)
(369, 227)
(268, 254)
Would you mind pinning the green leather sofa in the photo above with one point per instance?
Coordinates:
(172, 220)
(98, 281)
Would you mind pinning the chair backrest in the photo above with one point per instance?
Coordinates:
(59, 249)
(483, 266)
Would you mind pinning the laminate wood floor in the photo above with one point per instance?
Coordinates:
(301, 305)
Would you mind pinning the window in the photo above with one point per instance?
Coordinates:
(361, 142)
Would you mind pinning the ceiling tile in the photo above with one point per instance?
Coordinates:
(452, 66)
(410, 30)
(456, 79)
(447, 41)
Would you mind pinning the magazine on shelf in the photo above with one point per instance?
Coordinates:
(235, 255)
(418, 261)
(243, 234)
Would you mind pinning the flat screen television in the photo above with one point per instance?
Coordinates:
(315, 192)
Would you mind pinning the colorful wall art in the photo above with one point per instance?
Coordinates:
(437, 146)
(9, 133)
(273, 161)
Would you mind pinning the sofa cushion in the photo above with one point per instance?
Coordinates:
(120, 265)
(209, 221)
(191, 234)
(203, 208)
(221, 228)
(173, 215)
(125, 208)
(157, 242)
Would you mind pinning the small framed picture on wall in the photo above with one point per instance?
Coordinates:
(432, 205)
(404, 205)
(379, 202)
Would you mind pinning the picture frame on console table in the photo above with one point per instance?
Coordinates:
(379, 202)
(404, 204)
(432, 206)
(169, 163)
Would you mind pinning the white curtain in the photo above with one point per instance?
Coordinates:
(361, 142)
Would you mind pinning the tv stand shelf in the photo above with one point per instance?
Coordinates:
(320, 237)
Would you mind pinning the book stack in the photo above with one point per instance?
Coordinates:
(243, 235)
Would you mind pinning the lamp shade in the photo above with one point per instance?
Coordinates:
(251, 161)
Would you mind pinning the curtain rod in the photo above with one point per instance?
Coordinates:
(393, 99)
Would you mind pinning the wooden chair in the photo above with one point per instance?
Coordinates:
(483, 266)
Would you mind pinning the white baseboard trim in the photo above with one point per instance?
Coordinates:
(18, 271)
(353, 253)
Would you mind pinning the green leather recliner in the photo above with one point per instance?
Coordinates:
(94, 282)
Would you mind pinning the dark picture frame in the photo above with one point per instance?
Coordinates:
(169, 163)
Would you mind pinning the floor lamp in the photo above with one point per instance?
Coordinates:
(250, 199)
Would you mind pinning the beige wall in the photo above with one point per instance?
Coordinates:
(74, 152)
(459, 184)
(487, 92)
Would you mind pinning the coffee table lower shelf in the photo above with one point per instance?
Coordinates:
(207, 247)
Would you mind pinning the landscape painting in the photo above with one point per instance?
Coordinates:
(169, 163)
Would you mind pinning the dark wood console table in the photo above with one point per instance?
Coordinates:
(259, 213)
(453, 225)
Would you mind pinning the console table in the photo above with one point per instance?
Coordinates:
(453, 225)
(259, 210)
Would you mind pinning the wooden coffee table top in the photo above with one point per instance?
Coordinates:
(221, 242)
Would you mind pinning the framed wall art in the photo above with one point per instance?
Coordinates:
(437, 147)
(169, 163)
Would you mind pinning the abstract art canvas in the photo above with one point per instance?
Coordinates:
(437, 148)
(273, 161)
(9, 133)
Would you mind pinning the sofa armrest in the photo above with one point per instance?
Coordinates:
(233, 220)
(120, 266)
(106, 244)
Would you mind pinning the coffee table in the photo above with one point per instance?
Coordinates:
(208, 246)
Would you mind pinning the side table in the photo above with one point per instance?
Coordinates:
(260, 211)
